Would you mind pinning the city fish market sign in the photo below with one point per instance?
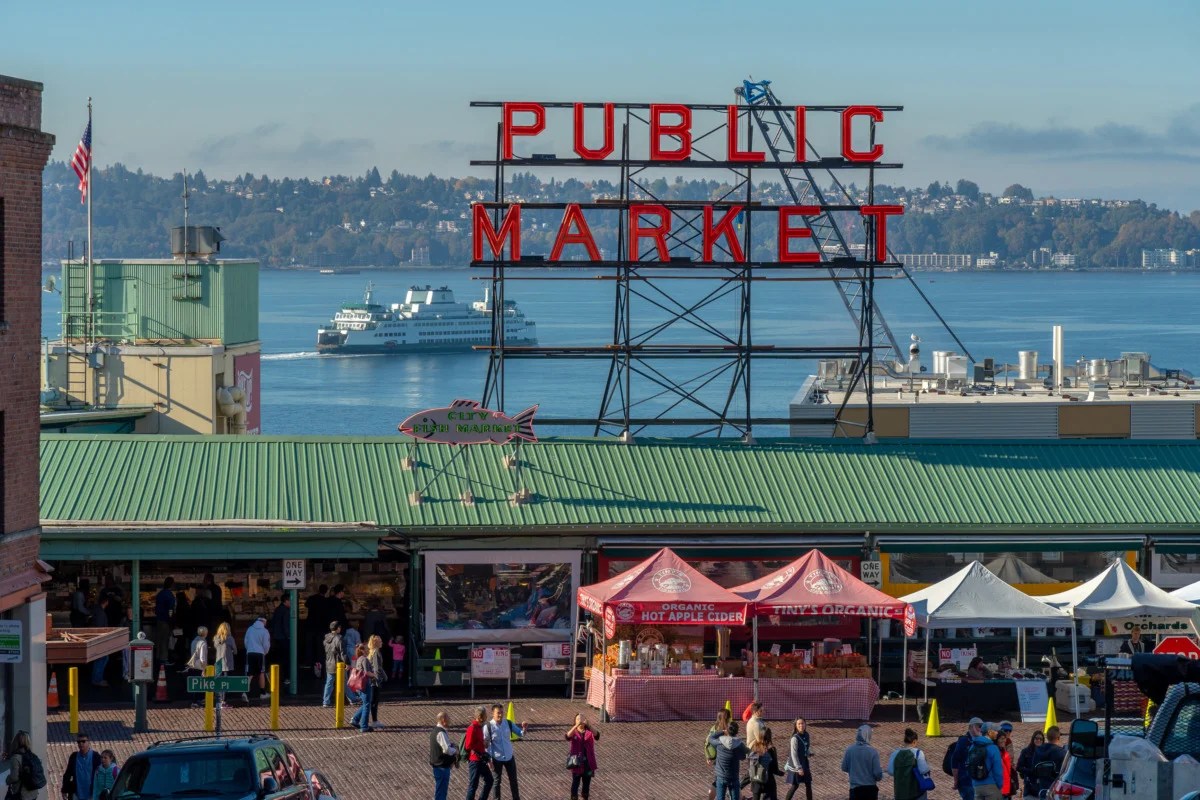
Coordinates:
(467, 422)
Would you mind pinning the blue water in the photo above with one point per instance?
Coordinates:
(995, 314)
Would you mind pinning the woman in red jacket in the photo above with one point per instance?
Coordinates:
(477, 766)
(1004, 741)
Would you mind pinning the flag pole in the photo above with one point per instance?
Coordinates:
(89, 323)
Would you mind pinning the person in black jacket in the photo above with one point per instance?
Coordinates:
(81, 769)
(1026, 761)
(281, 637)
(316, 622)
(1052, 754)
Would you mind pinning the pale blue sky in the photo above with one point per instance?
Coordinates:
(1071, 98)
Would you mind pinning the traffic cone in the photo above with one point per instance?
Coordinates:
(160, 691)
(437, 667)
(934, 728)
(1051, 716)
(52, 694)
(729, 707)
(511, 717)
(1149, 716)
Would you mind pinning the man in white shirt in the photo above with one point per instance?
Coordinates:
(497, 737)
(442, 755)
(258, 644)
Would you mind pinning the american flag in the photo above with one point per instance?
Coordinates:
(82, 160)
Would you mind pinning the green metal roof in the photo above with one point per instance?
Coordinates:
(599, 485)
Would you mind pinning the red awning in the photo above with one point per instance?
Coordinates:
(814, 585)
(664, 590)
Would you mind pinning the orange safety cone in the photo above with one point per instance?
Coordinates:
(160, 692)
(52, 694)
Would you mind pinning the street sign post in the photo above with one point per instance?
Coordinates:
(295, 576)
(238, 684)
(871, 573)
(1178, 646)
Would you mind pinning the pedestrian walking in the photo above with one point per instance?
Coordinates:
(224, 654)
(23, 767)
(81, 770)
(1025, 763)
(754, 724)
(164, 618)
(99, 619)
(198, 656)
(1047, 761)
(797, 769)
(764, 767)
(362, 664)
(281, 636)
(581, 758)
(958, 762)
(861, 764)
(908, 767)
(731, 751)
(442, 755)
(724, 717)
(258, 644)
(375, 657)
(984, 764)
(335, 653)
(106, 776)
(477, 758)
(397, 644)
(497, 735)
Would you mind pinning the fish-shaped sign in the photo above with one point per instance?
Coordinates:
(467, 422)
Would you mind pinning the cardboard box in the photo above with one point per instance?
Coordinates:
(831, 672)
(858, 672)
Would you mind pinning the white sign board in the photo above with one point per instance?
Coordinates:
(871, 573)
(493, 661)
(959, 656)
(552, 655)
(1033, 700)
(295, 576)
(10, 641)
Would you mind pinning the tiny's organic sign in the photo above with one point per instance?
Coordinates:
(467, 422)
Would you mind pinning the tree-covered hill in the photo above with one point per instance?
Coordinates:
(373, 220)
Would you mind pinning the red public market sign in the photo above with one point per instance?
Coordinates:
(670, 129)
(1178, 646)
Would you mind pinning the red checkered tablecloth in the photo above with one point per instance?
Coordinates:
(658, 698)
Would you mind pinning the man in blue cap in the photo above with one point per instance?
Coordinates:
(985, 766)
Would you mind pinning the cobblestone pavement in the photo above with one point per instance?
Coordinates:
(643, 760)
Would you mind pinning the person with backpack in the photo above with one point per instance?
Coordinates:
(498, 736)
(475, 747)
(861, 764)
(797, 769)
(724, 717)
(1047, 761)
(81, 770)
(764, 767)
(25, 773)
(985, 765)
(442, 756)
(907, 766)
(955, 762)
(106, 776)
(730, 752)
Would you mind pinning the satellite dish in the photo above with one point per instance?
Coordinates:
(51, 285)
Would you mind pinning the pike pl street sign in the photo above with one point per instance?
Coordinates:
(221, 683)
(294, 574)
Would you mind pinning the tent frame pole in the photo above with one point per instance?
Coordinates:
(904, 673)
(1074, 668)
(754, 655)
(926, 664)
(603, 668)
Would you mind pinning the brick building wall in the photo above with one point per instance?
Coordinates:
(24, 150)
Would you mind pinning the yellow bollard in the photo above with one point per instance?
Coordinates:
(73, 698)
(274, 697)
(339, 695)
(210, 720)
(934, 728)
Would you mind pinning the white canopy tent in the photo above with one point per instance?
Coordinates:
(975, 597)
(1118, 592)
(1190, 593)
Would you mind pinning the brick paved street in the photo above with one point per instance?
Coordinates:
(648, 760)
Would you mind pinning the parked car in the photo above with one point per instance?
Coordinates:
(322, 789)
(261, 767)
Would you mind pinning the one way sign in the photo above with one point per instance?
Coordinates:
(294, 574)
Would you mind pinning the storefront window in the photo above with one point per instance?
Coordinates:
(1176, 570)
(1017, 568)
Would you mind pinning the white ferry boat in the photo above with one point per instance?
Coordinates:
(427, 320)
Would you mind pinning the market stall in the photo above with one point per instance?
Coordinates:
(663, 590)
(1117, 593)
(975, 597)
(1190, 593)
(814, 585)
